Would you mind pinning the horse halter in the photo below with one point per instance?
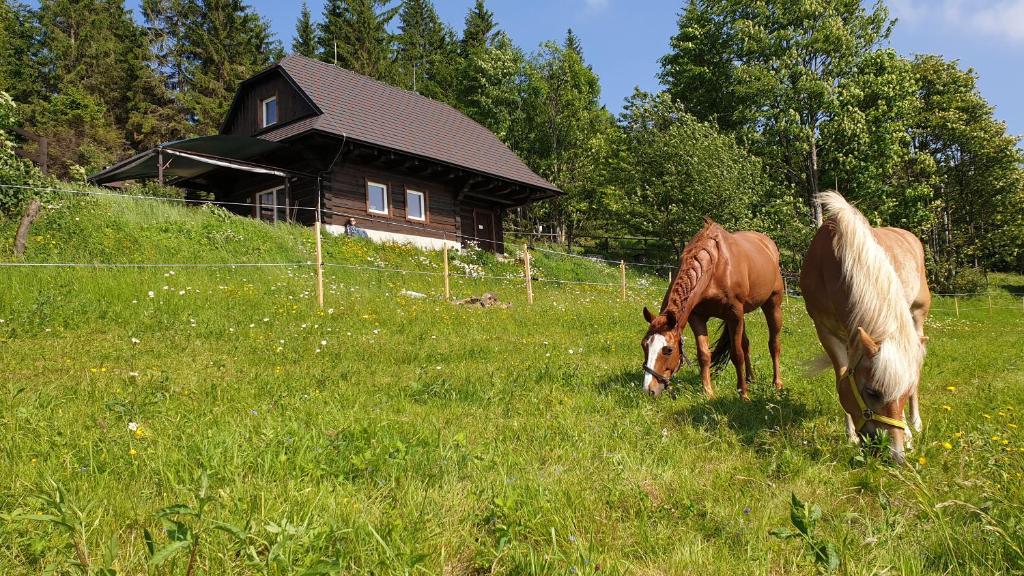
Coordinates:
(867, 414)
(666, 380)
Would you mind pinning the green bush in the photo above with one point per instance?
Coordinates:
(14, 171)
(944, 277)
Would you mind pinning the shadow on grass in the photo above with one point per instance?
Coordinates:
(1013, 289)
(767, 409)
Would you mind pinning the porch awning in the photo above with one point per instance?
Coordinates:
(192, 158)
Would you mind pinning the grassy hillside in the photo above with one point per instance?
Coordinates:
(156, 408)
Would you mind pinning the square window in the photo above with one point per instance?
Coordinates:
(415, 205)
(376, 198)
(270, 111)
(272, 205)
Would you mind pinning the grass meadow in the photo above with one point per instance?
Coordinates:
(214, 421)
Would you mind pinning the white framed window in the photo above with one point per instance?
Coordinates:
(376, 198)
(416, 205)
(272, 205)
(269, 107)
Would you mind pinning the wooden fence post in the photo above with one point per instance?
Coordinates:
(989, 300)
(447, 292)
(30, 215)
(622, 276)
(319, 264)
(956, 304)
(529, 280)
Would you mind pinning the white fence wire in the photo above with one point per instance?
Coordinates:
(791, 280)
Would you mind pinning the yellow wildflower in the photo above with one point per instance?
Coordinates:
(951, 388)
(922, 460)
(132, 452)
(1011, 425)
(947, 445)
(947, 407)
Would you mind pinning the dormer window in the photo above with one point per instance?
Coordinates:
(269, 108)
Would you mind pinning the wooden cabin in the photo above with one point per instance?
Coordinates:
(305, 136)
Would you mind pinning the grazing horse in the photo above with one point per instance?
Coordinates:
(722, 275)
(866, 291)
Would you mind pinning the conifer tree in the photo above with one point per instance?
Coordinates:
(223, 42)
(354, 34)
(426, 54)
(480, 29)
(304, 42)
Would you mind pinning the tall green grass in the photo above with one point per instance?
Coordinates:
(392, 434)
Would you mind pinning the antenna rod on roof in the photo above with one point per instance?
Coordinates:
(335, 51)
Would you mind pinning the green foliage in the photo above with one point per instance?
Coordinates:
(14, 171)
(492, 85)
(870, 140)
(774, 70)
(480, 29)
(357, 31)
(304, 42)
(978, 212)
(674, 170)
(426, 52)
(222, 42)
(804, 518)
(566, 135)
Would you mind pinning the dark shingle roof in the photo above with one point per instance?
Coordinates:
(371, 111)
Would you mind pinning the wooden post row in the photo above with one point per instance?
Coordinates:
(529, 279)
(956, 304)
(447, 291)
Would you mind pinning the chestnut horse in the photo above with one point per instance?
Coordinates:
(722, 275)
(866, 291)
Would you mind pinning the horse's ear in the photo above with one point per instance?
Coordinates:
(671, 320)
(647, 315)
(867, 342)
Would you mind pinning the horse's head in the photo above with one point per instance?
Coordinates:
(876, 388)
(663, 350)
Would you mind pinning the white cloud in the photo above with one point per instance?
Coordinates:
(1004, 19)
(996, 19)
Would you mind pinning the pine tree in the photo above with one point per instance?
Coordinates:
(19, 74)
(304, 42)
(223, 42)
(426, 54)
(96, 83)
(357, 31)
(480, 29)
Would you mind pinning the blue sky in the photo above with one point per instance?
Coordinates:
(623, 39)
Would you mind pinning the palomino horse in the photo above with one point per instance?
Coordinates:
(866, 291)
(721, 275)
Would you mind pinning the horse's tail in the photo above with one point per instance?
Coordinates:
(722, 353)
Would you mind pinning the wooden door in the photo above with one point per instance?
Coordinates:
(484, 228)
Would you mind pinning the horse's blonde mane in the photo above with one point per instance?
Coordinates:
(877, 301)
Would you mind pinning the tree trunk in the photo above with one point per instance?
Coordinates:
(815, 204)
(21, 237)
